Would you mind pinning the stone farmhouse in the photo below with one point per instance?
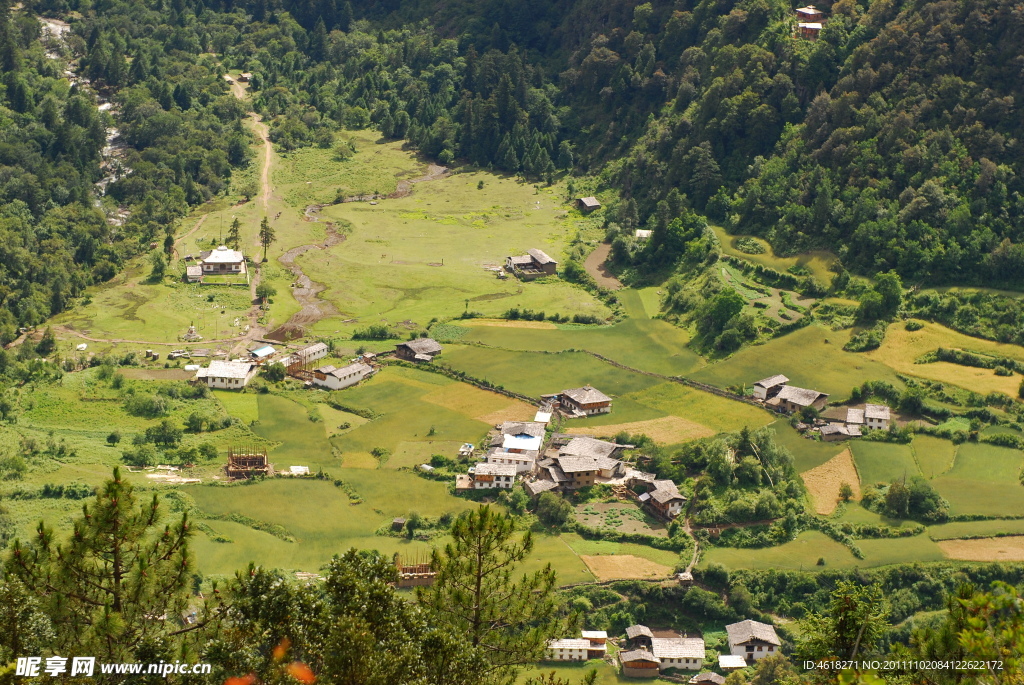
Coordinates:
(533, 264)
(752, 640)
(648, 655)
(664, 497)
(767, 388)
(418, 350)
(333, 378)
(580, 402)
(791, 399)
(592, 645)
(487, 476)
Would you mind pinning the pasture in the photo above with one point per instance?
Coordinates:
(984, 480)
(598, 548)
(574, 672)
(901, 347)
(812, 357)
(824, 482)
(883, 462)
(1006, 549)
(242, 405)
(970, 529)
(625, 567)
(807, 454)
(934, 455)
(717, 413)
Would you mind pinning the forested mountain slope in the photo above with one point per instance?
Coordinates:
(181, 127)
(894, 138)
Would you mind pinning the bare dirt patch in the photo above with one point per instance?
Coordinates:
(595, 266)
(624, 567)
(501, 323)
(667, 429)
(1009, 548)
(158, 374)
(823, 481)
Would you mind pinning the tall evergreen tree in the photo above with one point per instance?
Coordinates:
(267, 236)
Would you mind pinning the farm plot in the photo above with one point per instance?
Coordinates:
(812, 357)
(976, 529)
(717, 413)
(882, 462)
(625, 566)
(934, 455)
(824, 482)
(625, 517)
(597, 548)
(807, 454)
(1009, 549)
(303, 442)
(984, 480)
(901, 347)
(241, 405)
(667, 430)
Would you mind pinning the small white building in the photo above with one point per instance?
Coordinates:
(485, 476)
(643, 234)
(227, 375)
(311, 353)
(877, 417)
(525, 462)
(731, 662)
(752, 640)
(570, 649)
(334, 378)
(223, 260)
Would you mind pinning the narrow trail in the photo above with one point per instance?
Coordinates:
(182, 237)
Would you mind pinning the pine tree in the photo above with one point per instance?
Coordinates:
(266, 236)
(108, 586)
(318, 41)
(345, 18)
(474, 594)
(234, 233)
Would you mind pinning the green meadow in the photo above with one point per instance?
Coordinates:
(574, 672)
(883, 462)
(812, 357)
(984, 480)
(972, 529)
(818, 263)
(934, 455)
(807, 454)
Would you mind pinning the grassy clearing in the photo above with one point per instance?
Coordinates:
(983, 480)
(667, 430)
(594, 548)
(553, 550)
(625, 567)
(427, 255)
(901, 347)
(812, 357)
(606, 673)
(882, 462)
(817, 262)
(242, 405)
(969, 529)
(302, 442)
(717, 413)
(647, 344)
(934, 455)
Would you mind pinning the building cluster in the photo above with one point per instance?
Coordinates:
(643, 655)
(810, 21)
(777, 394)
(836, 423)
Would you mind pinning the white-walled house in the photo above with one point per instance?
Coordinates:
(679, 652)
(223, 260)
(524, 462)
(570, 649)
(877, 417)
(335, 379)
(766, 388)
(486, 476)
(752, 640)
(227, 375)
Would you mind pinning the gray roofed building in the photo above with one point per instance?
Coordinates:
(588, 394)
(791, 398)
(638, 655)
(588, 204)
(193, 274)
(420, 349)
(772, 381)
(665, 491)
(488, 469)
(590, 447)
(574, 464)
(633, 632)
(877, 411)
(540, 257)
(569, 643)
(707, 678)
(531, 428)
(556, 473)
(678, 647)
(747, 631)
(854, 415)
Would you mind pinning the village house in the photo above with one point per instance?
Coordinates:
(587, 204)
(664, 497)
(535, 488)
(810, 21)
(534, 264)
(791, 399)
(767, 388)
(334, 378)
(525, 462)
(678, 652)
(639, 636)
(598, 643)
(834, 432)
(570, 649)
(731, 662)
(418, 350)
(484, 476)
(643, 234)
(579, 472)
(194, 274)
(602, 451)
(580, 402)
(227, 375)
(752, 640)
(809, 13)
(311, 353)
(262, 353)
(707, 678)
(809, 30)
(876, 417)
(639, 663)
(223, 260)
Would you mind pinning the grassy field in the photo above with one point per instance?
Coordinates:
(901, 347)
(804, 551)
(883, 462)
(812, 357)
(807, 454)
(817, 262)
(969, 529)
(644, 343)
(241, 405)
(428, 254)
(573, 673)
(583, 546)
(983, 480)
(934, 455)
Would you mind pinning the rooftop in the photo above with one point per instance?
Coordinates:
(876, 411)
(590, 201)
(638, 630)
(486, 469)
(588, 394)
(800, 396)
(534, 488)
(772, 381)
(264, 351)
(665, 491)
(314, 347)
(356, 367)
(422, 345)
(678, 647)
(637, 655)
(574, 464)
(224, 255)
(589, 447)
(525, 442)
(854, 415)
(594, 634)
(707, 677)
(532, 428)
(569, 643)
(745, 631)
(731, 661)
(540, 256)
(222, 369)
